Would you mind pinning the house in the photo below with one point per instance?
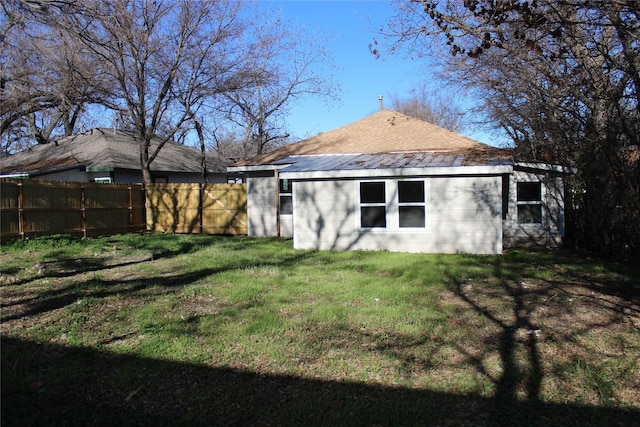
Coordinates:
(108, 155)
(392, 182)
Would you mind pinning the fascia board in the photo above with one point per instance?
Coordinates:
(382, 173)
(254, 168)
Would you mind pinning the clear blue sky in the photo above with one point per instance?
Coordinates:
(350, 26)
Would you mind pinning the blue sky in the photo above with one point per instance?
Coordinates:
(350, 26)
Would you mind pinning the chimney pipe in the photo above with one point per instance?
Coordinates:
(380, 101)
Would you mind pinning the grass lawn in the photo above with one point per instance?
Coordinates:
(201, 330)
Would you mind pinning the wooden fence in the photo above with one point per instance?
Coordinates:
(197, 208)
(35, 208)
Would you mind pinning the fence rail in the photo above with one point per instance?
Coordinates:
(35, 208)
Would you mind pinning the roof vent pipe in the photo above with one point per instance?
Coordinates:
(380, 101)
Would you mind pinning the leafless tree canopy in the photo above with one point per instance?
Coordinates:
(48, 78)
(437, 107)
(174, 70)
(562, 78)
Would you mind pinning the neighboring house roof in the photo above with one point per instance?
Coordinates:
(386, 139)
(104, 149)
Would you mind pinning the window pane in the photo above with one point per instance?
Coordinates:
(286, 205)
(372, 192)
(410, 191)
(529, 192)
(285, 186)
(530, 214)
(411, 216)
(373, 216)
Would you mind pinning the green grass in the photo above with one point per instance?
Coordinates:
(250, 331)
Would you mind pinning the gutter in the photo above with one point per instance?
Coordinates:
(546, 167)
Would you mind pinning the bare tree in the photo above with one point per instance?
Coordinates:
(47, 79)
(431, 106)
(165, 59)
(563, 79)
(287, 63)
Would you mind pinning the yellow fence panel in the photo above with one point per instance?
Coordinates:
(197, 208)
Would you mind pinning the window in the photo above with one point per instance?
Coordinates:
(103, 180)
(411, 206)
(373, 210)
(392, 204)
(286, 200)
(529, 203)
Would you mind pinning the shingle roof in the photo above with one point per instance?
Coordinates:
(102, 148)
(387, 132)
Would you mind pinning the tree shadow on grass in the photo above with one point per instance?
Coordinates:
(45, 384)
(98, 288)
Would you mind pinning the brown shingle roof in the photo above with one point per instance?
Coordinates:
(383, 132)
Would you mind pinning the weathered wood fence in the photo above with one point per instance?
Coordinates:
(36, 208)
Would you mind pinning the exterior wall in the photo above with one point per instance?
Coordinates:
(193, 178)
(550, 232)
(286, 226)
(124, 176)
(261, 205)
(463, 215)
(68, 175)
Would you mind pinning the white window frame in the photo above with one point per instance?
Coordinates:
(531, 203)
(392, 207)
(103, 180)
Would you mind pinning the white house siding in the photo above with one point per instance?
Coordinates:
(324, 215)
(286, 226)
(463, 215)
(261, 205)
(551, 231)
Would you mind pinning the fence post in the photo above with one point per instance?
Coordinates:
(20, 211)
(129, 190)
(83, 210)
(201, 207)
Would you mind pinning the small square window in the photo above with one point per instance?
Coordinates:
(411, 216)
(372, 192)
(373, 217)
(285, 186)
(529, 192)
(286, 205)
(530, 214)
(411, 191)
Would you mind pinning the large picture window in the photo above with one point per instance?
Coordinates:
(373, 210)
(529, 203)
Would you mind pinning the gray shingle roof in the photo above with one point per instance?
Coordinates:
(103, 148)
